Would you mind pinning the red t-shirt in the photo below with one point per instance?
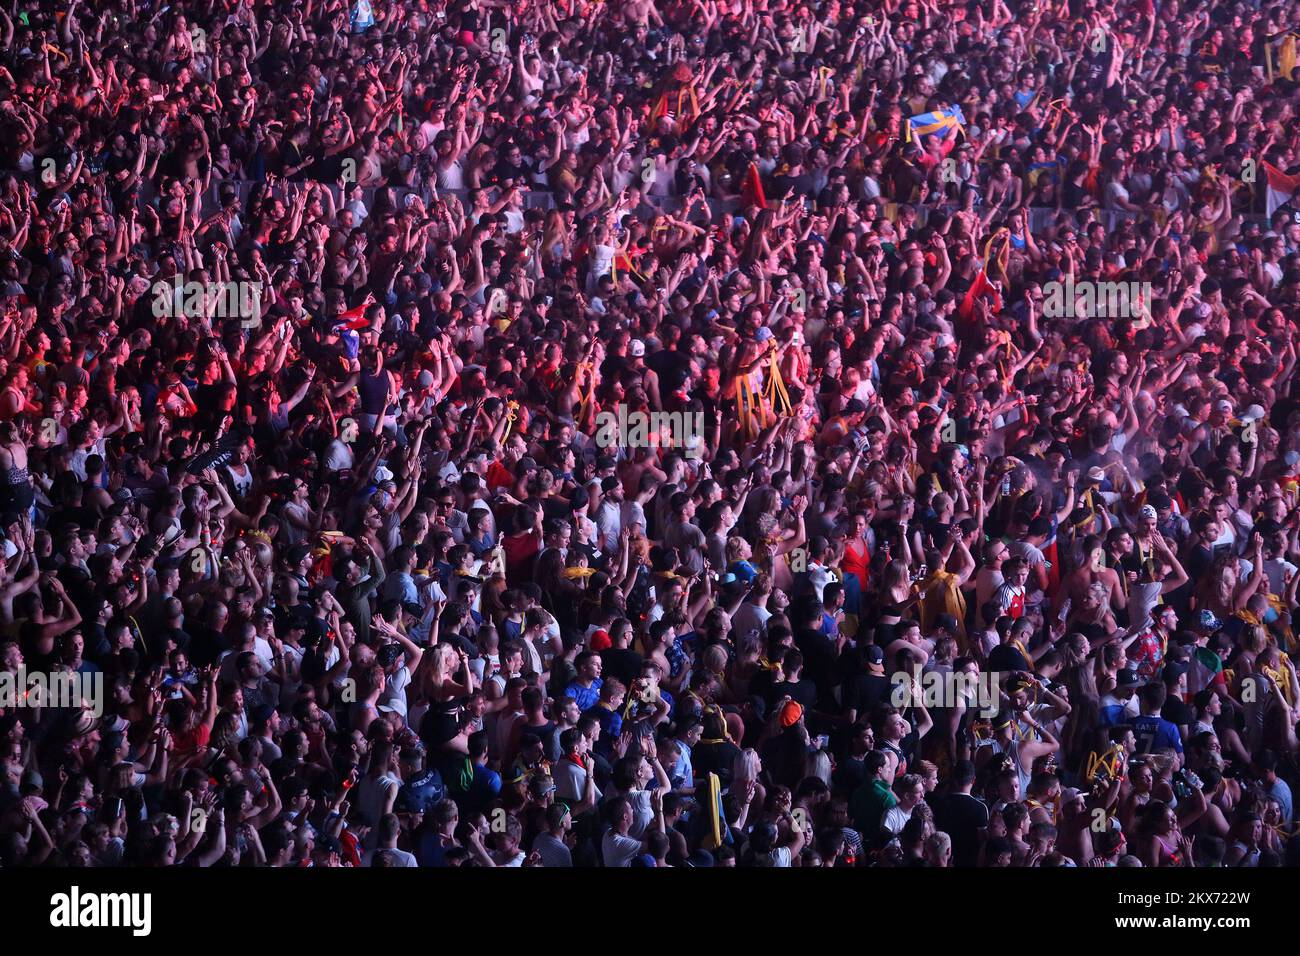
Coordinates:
(498, 476)
(191, 742)
(520, 550)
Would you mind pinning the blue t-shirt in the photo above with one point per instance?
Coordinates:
(1155, 733)
(611, 725)
(429, 850)
(682, 773)
(743, 571)
(484, 789)
(587, 697)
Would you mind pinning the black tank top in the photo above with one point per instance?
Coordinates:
(374, 392)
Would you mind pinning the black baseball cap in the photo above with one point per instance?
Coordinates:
(1127, 678)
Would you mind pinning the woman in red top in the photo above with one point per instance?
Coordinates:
(522, 545)
(191, 727)
(857, 557)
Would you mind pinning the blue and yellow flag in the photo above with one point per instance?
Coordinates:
(1038, 169)
(937, 121)
(716, 832)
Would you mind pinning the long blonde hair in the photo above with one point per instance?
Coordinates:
(895, 576)
(554, 233)
(747, 767)
(437, 667)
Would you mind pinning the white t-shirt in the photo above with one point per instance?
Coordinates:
(1277, 570)
(479, 505)
(1115, 193)
(819, 576)
(609, 521)
(1030, 552)
(338, 457)
(263, 651)
(358, 209)
(570, 781)
(781, 856)
(895, 818)
(643, 813)
(749, 617)
(618, 849)
(603, 260)
(394, 693)
(402, 858)
(293, 534)
(430, 130)
(1228, 537)
(453, 177)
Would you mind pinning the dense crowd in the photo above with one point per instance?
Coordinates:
(918, 562)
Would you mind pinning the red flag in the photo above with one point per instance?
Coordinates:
(751, 190)
(353, 319)
(979, 287)
(660, 109)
